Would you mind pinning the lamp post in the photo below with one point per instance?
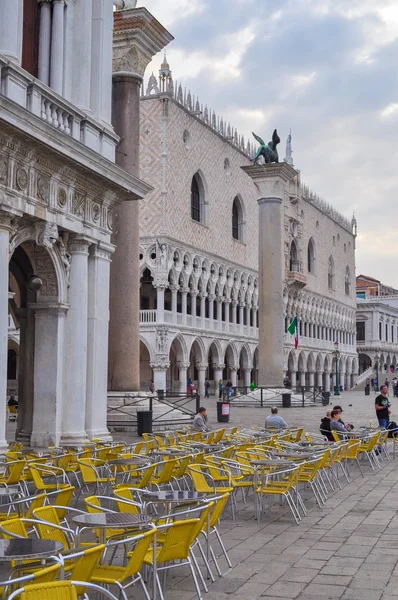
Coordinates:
(377, 358)
(337, 356)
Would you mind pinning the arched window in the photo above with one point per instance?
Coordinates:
(347, 282)
(331, 273)
(238, 220)
(311, 256)
(195, 200)
(294, 260)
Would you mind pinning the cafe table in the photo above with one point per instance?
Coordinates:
(168, 497)
(110, 520)
(260, 466)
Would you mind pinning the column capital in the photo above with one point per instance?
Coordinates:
(234, 302)
(184, 365)
(159, 366)
(185, 290)
(79, 244)
(174, 288)
(234, 367)
(202, 366)
(102, 250)
(211, 297)
(220, 299)
(247, 369)
(219, 367)
(6, 221)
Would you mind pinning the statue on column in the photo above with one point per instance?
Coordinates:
(268, 151)
(288, 159)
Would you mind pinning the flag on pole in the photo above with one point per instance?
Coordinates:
(293, 329)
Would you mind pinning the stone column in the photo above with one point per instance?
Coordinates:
(193, 307)
(201, 367)
(233, 371)
(184, 294)
(51, 398)
(311, 379)
(219, 313)
(234, 304)
(137, 37)
(211, 310)
(11, 23)
(319, 379)
(293, 379)
(302, 379)
(255, 310)
(183, 368)
(327, 381)
(4, 260)
(159, 375)
(160, 303)
(218, 369)
(99, 261)
(25, 376)
(271, 180)
(174, 292)
(57, 47)
(81, 76)
(353, 379)
(203, 310)
(44, 41)
(347, 384)
(74, 408)
(248, 308)
(241, 307)
(247, 376)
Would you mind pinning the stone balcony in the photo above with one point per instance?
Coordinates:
(38, 99)
(297, 278)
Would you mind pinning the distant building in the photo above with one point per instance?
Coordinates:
(370, 287)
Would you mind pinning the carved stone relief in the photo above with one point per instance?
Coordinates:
(96, 212)
(161, 339)
(62, 197)
(46, 234)
(43, 189)
(22, 179)
(45, 269)
(78, 206)
(3, 169)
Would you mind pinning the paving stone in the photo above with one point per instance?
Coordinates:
(307, 563)
(332, 580)
(300, 575)
(324, 591)
(353, 551)
(365, 595)
(251, 589)
(318, 554)
(284, 590)
(227, 585)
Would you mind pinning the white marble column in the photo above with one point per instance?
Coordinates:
(241, 307)
(203, 310)
(218, 369)
(27, 325)
(57, 46)
(347, 384)
(174, 291)
(97, 341)
(11, 24)
(44, 41)
(302, 379)
(233, 371)
(201, 367)
(184, 293)
(327, 381)
(248, 309)
(211, 310)
(311, 379)
(160, 303)
(74, 408)
(319, 379)
(81, 78)
(353, 379)
(183, 368)
(4, 260)
(69, 51)
(159, 375)
(193, 308)
(247, 377)
(50, 395)
(293, 379)
(234, 304)
(101, 57)
(219, 313)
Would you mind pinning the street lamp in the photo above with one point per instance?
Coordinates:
(377, 358)
(337, 356)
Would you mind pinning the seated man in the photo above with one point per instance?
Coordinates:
(335, 423)
(274, 420)
(325, 426)
(199, 422)
(347, 426)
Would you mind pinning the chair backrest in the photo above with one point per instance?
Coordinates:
(58, 590)
(93, 505)
(353, 449)
(166, 473)
(87, 469)
(37, 502)
(182, 465)
(15, 471)
(48, 574)
(85, 565)
(160, 442)
(13, 526)
(63, 498)
(37, 478)
(218, 508)
(219, 436)
(45, 531)
(146, 477)
(199, 458)
(199, 480)
(177, 541)
(299, 433)
(137, 555)
(127, 495)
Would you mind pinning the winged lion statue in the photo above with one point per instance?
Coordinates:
(269, 150)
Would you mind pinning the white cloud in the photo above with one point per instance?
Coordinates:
(389, 110)
(169, 11)
(302, 81)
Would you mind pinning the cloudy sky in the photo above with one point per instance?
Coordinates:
(327, 69)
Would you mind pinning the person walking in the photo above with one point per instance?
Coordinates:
(220, 387)
(207, 385)
(382, 406)
(229, 388)
(151, 387)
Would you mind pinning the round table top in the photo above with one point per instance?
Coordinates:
(11, 490)
(112, 520)
(22, 549)
(128, 461)
(298, 455)
(169, 496)
(271, 462)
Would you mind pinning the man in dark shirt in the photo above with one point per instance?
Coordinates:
(382, 407)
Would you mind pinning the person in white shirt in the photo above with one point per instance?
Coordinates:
(199, 422)
(274, 420)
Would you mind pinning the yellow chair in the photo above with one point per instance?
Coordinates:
(40, 576)
(368, 448)
(58, 590)
(141, 478)
(176, 546)
(219, 504)
(62, 500)
(48, 527)
(127, 503)
(124, 576)
(309, 473)
(164, 472)
(353, 452)
(200, 479)
(14, 474)
(39, 471)
(90, 472)
(280, 483)
(93, 505)
(83, 564)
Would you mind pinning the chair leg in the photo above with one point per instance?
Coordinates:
(203, 555)
(222, 547)
(195, 579)
(195, 562)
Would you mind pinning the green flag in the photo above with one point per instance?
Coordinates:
(292, 326)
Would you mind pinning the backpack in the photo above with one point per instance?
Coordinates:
(392, 429)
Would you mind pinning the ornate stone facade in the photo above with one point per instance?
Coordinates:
(210, 299)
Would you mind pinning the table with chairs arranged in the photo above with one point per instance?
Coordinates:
(102, 517)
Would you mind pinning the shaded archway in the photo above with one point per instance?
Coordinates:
(146, 372)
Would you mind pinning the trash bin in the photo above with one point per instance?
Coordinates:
(286, 400)
(160, 394)
(325, 398)
(367, 390)
(144, 422)
(223, 412)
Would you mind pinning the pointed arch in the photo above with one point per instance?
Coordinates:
(231, 354)
(238, 219)
(311, 256)
(199, 203)
(180, 348)
(294, 263)
(200, 350)
(331, 273)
